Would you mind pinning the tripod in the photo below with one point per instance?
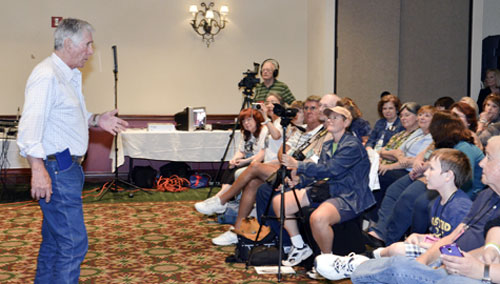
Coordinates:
(281, 174)
(247, 102)
(113, 185)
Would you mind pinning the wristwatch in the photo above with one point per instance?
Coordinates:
(265, 122)
(94, 120)
(486, 274)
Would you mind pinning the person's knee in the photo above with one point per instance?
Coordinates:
(319, 220)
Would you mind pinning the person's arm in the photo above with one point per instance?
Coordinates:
(394, 166)
(234, 162)
(433, 252)
(364, 139)
(472, 264)
(41, 184)
(376, 133)
(273, 130)
(287, 95)
(391, 155)
(259, 157)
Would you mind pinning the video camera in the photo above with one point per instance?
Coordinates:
(249, 81)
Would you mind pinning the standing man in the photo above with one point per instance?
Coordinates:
(53, 136)
(268, 73)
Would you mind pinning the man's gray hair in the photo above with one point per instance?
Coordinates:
(72, 29)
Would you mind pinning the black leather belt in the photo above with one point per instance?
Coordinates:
(76, 159)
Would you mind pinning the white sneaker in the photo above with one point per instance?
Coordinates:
(210, 206)
(313, 274)
(226, 239)
(297, 255)
(335, 267)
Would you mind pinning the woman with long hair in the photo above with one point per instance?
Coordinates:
(250, 149)
(491, 86)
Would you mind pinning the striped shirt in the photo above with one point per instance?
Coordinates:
(278, 87)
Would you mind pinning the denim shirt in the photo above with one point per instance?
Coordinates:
(348, 170)
(380, 129)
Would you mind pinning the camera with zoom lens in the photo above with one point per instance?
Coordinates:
(283, 112)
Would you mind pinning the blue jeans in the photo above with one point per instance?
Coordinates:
(263, 194)
(400, 269)
(396, 210)
(64, 237)
(385, 181)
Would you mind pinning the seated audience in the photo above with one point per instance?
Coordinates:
(409, 197)
(343, 170)
(482, 219)
(443, 103)
(388, 124)
(359, 127)
(449, 169)
(256, 174)
(404, 156)
(409, 120)
(490, 113)
(491, 86)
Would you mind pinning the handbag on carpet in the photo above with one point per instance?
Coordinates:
(246, 239)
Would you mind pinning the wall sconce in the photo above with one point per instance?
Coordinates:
(208, 22)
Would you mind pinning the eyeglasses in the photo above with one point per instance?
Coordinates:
(310, 108)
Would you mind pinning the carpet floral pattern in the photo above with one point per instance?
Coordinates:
(152, 242)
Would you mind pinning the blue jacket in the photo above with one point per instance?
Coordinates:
(380, 129)
(347, 169)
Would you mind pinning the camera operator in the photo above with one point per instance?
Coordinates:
(269, 72)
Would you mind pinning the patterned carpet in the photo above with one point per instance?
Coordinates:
(152, 242)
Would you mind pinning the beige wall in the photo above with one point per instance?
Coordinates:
(163, 65)
(434, 50)
(417, 50)
(368, 48)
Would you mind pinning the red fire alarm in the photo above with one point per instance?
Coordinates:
(55, 21)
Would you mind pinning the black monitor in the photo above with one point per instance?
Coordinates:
(191, 118)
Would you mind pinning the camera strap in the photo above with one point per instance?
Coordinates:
(312, 142)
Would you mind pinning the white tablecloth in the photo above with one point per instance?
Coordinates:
(197, 146)
(13, 159)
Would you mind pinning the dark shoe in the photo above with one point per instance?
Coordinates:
(372, 241)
